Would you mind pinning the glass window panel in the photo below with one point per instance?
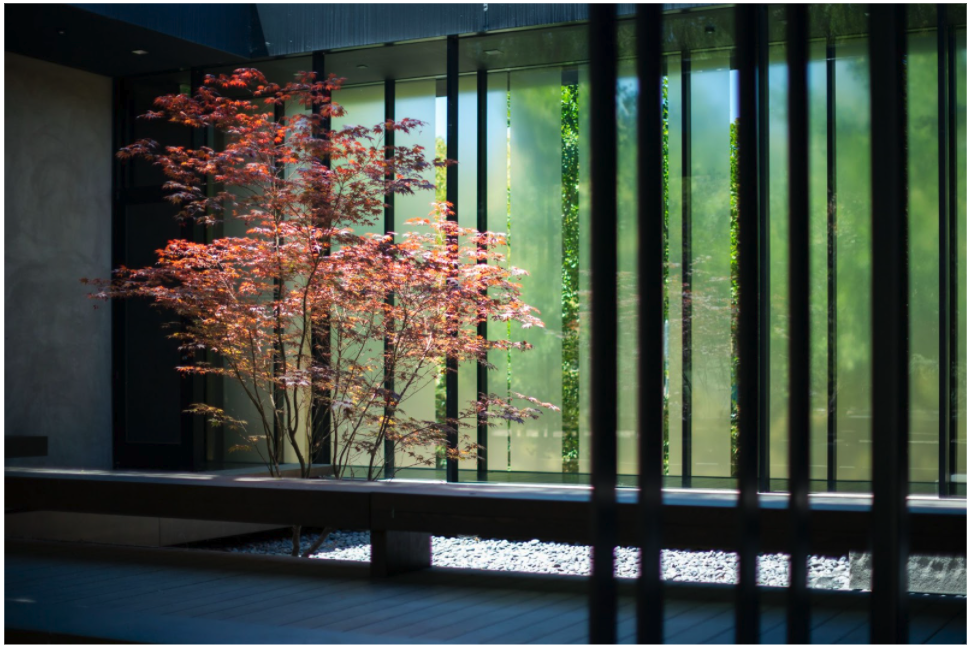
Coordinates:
(818, 209)
(536, 246)
(235, 400)
(144, 91)
(778, 303)
(627, 92)
(364, 106)
(960, 284)
(923, 240)
(497, 144)
(467, 217)
(674, 95)
(302, 399)
(710, 181)
(853, 129)
(153, 386)
(417, 100)
(585, 225)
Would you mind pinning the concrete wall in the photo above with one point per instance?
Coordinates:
(57, 229)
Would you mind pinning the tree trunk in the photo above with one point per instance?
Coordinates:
(324, 534)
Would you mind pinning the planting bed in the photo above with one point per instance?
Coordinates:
(546, 557)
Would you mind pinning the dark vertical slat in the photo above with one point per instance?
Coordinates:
(890, 470)
(953, 202)
(602, 165)
(119, 176)
(687, 271)
(763, 167)
(799, 344)
(390, 99)
(321, 338)
(482, 226)
(832, 169)
(945, 357)
(651, 369)
(451, 377)
(748, 343)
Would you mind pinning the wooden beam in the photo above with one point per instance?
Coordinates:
(698, 521)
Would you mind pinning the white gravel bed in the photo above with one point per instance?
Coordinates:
(558, 558)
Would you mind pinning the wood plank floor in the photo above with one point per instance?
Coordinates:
(61, 592)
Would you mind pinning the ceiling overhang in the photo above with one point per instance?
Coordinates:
(82, 39)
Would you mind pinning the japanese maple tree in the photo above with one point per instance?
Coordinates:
(309, 316)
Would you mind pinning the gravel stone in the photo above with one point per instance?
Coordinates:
(469, 552)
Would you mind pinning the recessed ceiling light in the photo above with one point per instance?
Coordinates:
(61, 32)
(362, 67)
(139, 52)
(492, 52)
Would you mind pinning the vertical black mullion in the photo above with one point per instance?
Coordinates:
(390, 98)
(687, 271)
(651, 369)
(451, 377)
(482, 226)
(119, 175)
(799, 342)
(832, 263)
(215, 384)
(953, 258)
(763, 152)
(603, 379)
(279, 395)
(321, 433)
(890, 405)
(945, 358)
(749, 386)
(192, 388)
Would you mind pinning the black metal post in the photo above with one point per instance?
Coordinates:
(482, 226)
(686, 176)
(799, 343)
(603, 379)
(763, 168)
(748, 343)
(321, 435)
(390, 86)
(832, 183)
(945, 357)
(651, 370)
(451, 376)
(890, 326)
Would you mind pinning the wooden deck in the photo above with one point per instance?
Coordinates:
(65, 592)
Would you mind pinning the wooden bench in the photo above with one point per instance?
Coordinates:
(402, 516)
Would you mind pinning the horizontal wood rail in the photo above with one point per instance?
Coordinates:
(403, 516)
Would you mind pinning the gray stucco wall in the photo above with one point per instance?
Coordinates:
(57, 229)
